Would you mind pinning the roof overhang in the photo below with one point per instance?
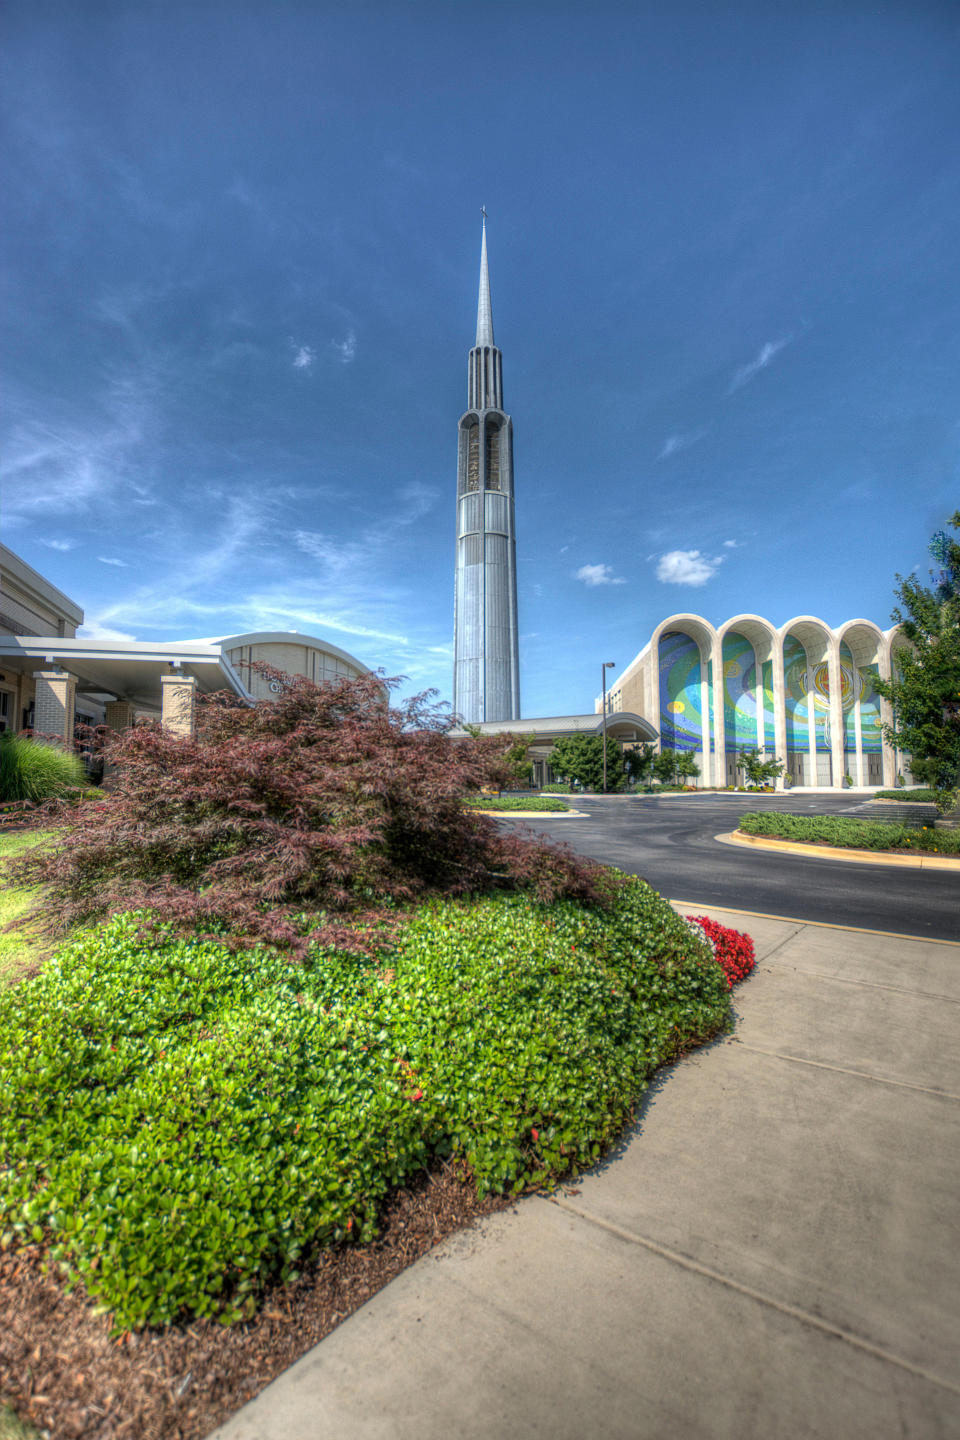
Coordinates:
(129, 669)
(621, 725)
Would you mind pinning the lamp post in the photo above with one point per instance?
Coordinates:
(607, 665)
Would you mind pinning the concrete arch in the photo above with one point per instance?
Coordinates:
(814, 635)
(894, 761)
(704, 635)
(307, 655)
(866, 645)
(864, 639)
(627, 726)
(823, 678)
(767, 649)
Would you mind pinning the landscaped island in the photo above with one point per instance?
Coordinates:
(849, 833)
(530, 803)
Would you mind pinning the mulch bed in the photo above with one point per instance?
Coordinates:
(61, 1371)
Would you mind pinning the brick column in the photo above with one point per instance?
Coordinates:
(55, 695)
(178, 704)
(118, 715)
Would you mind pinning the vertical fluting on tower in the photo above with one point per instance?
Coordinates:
(486, 651)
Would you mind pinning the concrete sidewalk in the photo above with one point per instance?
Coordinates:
(773, 1253)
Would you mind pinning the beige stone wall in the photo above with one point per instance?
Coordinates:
(309, 660)
(30, 605)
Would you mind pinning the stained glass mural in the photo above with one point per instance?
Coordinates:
(739, 693)
(681, 725)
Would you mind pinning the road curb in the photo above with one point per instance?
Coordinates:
(533, 814)
(704, 907)
(833, 852)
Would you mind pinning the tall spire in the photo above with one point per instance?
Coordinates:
(486, 658)
(484, 310)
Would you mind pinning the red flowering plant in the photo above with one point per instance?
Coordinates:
(732, 950)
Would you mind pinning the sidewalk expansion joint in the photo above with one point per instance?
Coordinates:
(868, 984)
(785, 941)
(793, 1312)
(843, 1070)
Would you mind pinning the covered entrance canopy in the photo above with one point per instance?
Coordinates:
(543, 733)
(123, 677)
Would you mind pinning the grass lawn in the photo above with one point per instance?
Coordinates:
(849, 833)
(12, 1428)
(18, 949)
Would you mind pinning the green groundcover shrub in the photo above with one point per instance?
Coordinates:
(530, 803)
(184, 1121)
(30, 770)
(904, 797)
(849, 833)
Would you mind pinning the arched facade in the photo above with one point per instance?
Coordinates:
(802, 692)
(285, 650)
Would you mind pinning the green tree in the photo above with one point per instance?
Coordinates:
(579, 758)
(638, 763)
(757, 769)
(687, 767)
(925, 688)
(665, 767)
(515, 757)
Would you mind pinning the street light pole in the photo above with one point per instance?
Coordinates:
(607, 665)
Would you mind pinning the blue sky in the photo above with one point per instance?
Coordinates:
(240, 270)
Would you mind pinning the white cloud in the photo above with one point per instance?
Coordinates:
(106, 560)
(598, 575)
(768, 353)
(346, 349)
(732, 544)
(95, 631)
(303, 358)
(418, 499)
(674, 443)
(687, 567)
(59, 544)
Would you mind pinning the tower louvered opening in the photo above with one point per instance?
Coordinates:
(492, 456)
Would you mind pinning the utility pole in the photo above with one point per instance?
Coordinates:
(607, 665)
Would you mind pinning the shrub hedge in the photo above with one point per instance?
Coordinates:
(849, 833)
(514, 802)
(183, 1121)
(922, 797)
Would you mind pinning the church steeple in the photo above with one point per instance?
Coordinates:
(485, 372)
(484, 309)
(486, 663)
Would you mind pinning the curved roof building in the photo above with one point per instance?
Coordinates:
(802, 691)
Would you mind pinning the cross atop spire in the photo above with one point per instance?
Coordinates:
(484, 311)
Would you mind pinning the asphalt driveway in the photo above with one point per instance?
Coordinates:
(670, 842)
